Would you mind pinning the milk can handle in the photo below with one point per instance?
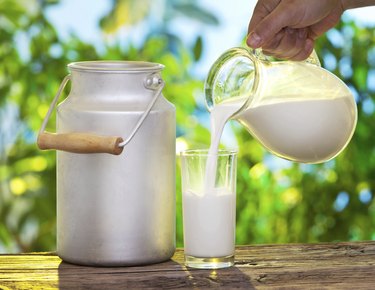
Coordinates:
(77, 142)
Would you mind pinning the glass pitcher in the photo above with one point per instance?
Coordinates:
(296, 110)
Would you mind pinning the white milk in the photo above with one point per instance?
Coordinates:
(220, 115)
(210, 216)
(209, 223)
(305, 131)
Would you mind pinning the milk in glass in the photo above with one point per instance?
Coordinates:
(210, 214)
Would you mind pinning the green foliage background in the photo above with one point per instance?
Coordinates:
(283, 203)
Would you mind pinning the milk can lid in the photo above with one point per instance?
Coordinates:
(103, 66)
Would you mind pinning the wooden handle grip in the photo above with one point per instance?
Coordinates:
(80, 143)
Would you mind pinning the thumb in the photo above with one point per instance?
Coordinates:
(270, 26)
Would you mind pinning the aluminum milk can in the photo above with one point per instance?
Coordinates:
(114, 209)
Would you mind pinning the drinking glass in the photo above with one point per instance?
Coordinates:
(209, 207)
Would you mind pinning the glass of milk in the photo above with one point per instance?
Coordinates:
(209, 207)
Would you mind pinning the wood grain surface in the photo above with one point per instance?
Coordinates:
(291, 266)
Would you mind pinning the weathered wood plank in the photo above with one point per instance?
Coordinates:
(292, 266)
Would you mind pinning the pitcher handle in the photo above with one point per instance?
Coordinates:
(312, 59)
(91, 143)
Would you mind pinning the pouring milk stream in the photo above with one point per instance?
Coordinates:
(213, 209)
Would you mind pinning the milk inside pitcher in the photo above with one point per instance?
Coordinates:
(115, 210)
(296, 110)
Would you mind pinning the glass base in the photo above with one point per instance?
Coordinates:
(209, 263)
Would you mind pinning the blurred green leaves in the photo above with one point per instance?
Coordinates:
(190, 10)
(125, 13)
(130, 13)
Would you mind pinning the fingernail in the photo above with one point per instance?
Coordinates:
(254, 40)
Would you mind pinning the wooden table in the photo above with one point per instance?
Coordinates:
(291, 266)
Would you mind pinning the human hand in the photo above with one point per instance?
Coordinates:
(288, 28)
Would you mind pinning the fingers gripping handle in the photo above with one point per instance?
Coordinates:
(76, 142)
